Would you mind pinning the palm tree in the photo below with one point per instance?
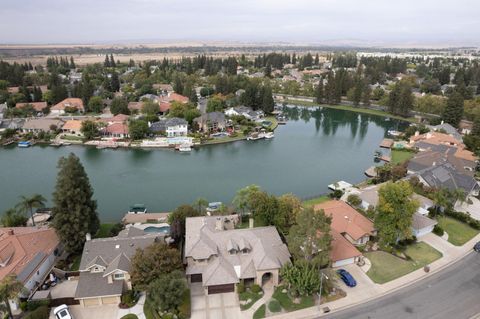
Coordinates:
(10, 287)
(201, 203)
(27, 204)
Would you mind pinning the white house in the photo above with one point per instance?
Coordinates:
(173, 127)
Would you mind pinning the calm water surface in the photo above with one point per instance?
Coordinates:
(317, 147)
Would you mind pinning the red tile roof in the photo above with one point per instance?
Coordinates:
(345, 219)
(37, 106)
(69, 102)
(165, 106)
(20, 245)
(117, 128)
(342, 248)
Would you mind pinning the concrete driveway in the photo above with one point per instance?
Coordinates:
(365, 286)
(94, 312)
(217, 306)
(473, 209)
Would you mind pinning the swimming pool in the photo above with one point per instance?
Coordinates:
(155, 229)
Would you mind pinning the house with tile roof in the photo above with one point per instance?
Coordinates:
(219, 256)
(171, 127)
(29, 253)
(105, 266)
(68, 103)
(349, 229)
(37, 125)
(211, 122)
(37, 106)
(73, 127)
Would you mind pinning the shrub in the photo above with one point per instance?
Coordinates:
(185, 307)
(336, 194)
(240, 287)
(354, 200)
(274, 306)
(463, 217)
(128, 299)
(437, 230)
(39, 313)
(256, 289)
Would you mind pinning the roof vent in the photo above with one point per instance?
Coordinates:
(117, 246)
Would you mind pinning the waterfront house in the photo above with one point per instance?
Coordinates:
(105, 267)
(41, 125)
(421, 224)
(218, 256)
(211, 122)
(245, 111)
(37, 106)
(29, 253)
(116, 130)
(73, 127)
(349, 228)
(171, 127)
(68, 105)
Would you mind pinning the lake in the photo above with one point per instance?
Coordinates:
(317, 147)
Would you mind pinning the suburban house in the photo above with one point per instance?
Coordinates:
(349, 228)
(245, 111)
(29, 253)
(421, 224)
(69, 103)
(41, 125)
(37, 106)
(105, 266)
(73, 127)
(171, 127)
(211, 122)
(116, 130)
(218, 256)
(448, 129)
(135, 107)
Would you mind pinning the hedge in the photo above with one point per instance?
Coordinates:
(464, 217)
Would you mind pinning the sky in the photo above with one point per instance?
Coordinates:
(371, 22)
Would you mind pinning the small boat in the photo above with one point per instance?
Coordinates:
(394, 133)
(137, 209)
(377, 154)
(24, 144)
(255, 136)
(185, 148)
(269, 135)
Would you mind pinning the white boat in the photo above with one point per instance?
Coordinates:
(269, 135)
(185, 148)
(394, 133)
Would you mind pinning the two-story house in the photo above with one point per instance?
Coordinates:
(219, 256)
(106, 264)
(172, 127)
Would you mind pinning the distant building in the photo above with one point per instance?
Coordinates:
(68, 103)
(211, 122)
(41, 125)
(172, 127)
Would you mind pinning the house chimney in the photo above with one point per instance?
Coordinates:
(219, 223)
(250, 223)
(88, 237)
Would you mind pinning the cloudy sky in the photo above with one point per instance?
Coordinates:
(300, 21)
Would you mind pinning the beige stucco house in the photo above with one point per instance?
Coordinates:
(220, 256)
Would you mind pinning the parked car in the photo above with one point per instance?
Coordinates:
(61, 312)
(347, 278)
(477, 247)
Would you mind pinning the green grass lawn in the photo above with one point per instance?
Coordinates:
(130, 316)
(249, 295)
(315, 201)
(287, 303)
(104, 230)
(387, 267)
(458, 233)
(260, 313)
(401, 156)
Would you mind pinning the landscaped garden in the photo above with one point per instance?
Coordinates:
(248, 296)
(260, 313)
(387, 267)
(288, 303)
(458, 232)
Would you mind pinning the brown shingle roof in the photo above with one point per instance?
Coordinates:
(37, 106)
(69, 102)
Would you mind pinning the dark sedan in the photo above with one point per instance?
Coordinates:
(347, 278)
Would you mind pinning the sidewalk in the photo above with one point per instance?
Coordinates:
(248, 314)
(451, 254)
(136, 310)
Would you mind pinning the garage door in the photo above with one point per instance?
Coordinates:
(91, 302)
(110, 300)
(218, 289)
(343, 262)
(196, 278)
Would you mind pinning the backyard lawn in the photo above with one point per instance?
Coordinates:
(458, 233)
(104, 230)
(315, 201)
(249, 295)
(401, 156)
(387, 267)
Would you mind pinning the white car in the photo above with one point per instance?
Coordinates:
(61, 312)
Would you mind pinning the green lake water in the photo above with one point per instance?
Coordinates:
(317, 147)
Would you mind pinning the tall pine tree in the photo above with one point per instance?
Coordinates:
(319, 94)
(454, 110)
(74, 212)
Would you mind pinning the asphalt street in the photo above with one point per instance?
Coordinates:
(453, 293)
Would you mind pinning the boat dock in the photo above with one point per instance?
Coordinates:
(341, 185)
(386, 143)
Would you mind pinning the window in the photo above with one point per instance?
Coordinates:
(119, 276)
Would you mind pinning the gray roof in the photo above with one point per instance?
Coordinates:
(449, 129)
(163, 124)
(419, 222)
(95, 285)
(42, 124)
(110, 248)
(211, 117)
(370, 196)
(264, 250)
(446, 176)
